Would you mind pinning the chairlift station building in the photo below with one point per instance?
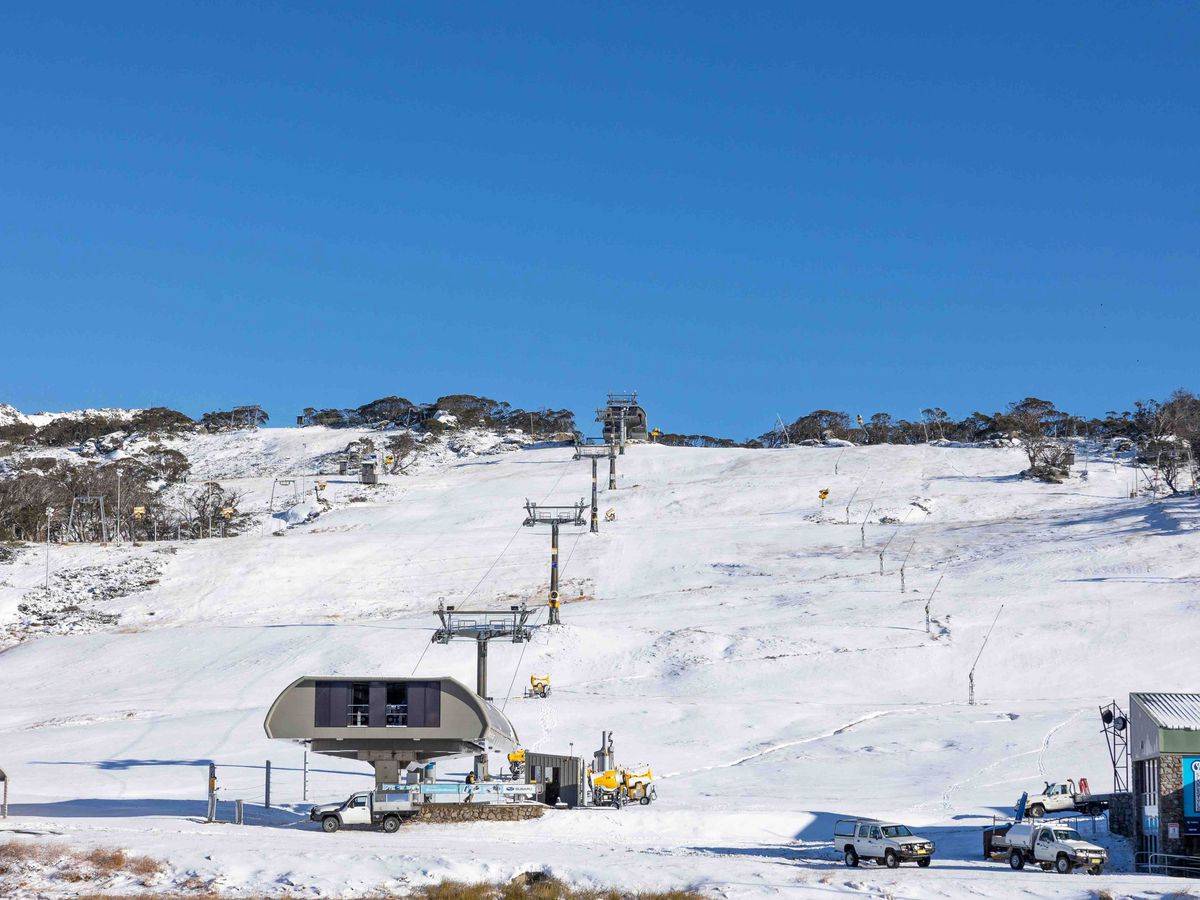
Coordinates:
(388, 722)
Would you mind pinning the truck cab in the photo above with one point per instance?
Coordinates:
(1055, 798)
(887, 842)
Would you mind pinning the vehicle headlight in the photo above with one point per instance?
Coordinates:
(929, 845)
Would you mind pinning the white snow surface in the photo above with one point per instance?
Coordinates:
(10, 415)
(731, 632)
(42, 419)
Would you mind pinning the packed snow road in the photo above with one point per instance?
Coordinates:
(732, 633)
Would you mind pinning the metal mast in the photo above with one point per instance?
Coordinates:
(482, 626)
(596, 452)
(554, 516)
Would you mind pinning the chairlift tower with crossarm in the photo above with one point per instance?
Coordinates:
(554, 516)
(482, 626)
(596, 452)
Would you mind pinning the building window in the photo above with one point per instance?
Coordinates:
(397, 705)
(377, 704)
(358, 710)
(1146, 780)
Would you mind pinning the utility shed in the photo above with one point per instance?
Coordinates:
(558, 779)
(388, 722)
(1164, 745)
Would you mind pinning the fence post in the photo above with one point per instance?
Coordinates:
(305, 795)
(239, 817)
(267, 793)
(212, 792)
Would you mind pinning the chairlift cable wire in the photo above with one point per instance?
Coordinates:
(517, 531)
(421, 657)
(516, 669)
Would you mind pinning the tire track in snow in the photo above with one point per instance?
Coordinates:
(1050, 735)
(841, 729)
(951, 789)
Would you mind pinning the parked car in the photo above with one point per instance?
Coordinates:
(887, 842)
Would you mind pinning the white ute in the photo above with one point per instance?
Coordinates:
(1062, 797)
(1050, 846)
(383, 809)
(885, 842)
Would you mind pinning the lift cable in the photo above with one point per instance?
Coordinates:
(517, 669)
(496, 561)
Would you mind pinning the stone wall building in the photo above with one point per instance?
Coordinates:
(1164, 747)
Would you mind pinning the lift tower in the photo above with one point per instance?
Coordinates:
(596, 452)
(554, 516)
(482, 626)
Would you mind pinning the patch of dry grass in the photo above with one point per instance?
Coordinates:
(55, 861)
(22, 854)
(534, 886)
(531, 886)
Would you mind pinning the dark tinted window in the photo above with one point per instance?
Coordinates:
(330, 704)
(425, 704)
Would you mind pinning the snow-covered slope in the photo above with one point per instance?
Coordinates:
(733, 635)
(10, 415)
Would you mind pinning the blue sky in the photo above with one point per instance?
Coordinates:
(737, 209)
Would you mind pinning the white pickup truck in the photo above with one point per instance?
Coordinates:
(377, 809)
(1063, 797)
(1048, 845)
(885, 842)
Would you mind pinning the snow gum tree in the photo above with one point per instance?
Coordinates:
(1034, 424)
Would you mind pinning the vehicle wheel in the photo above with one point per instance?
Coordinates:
(1016, 859)
(1095, 870)
(1095, 810)
(391, 824)
(924, 863)
(890, 859)
(1062, 865)
(330, 824)
(616, 804)
(851, 858)
(1037, 811)
(645, 801)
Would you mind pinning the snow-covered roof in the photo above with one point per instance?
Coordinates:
(1178, 711)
